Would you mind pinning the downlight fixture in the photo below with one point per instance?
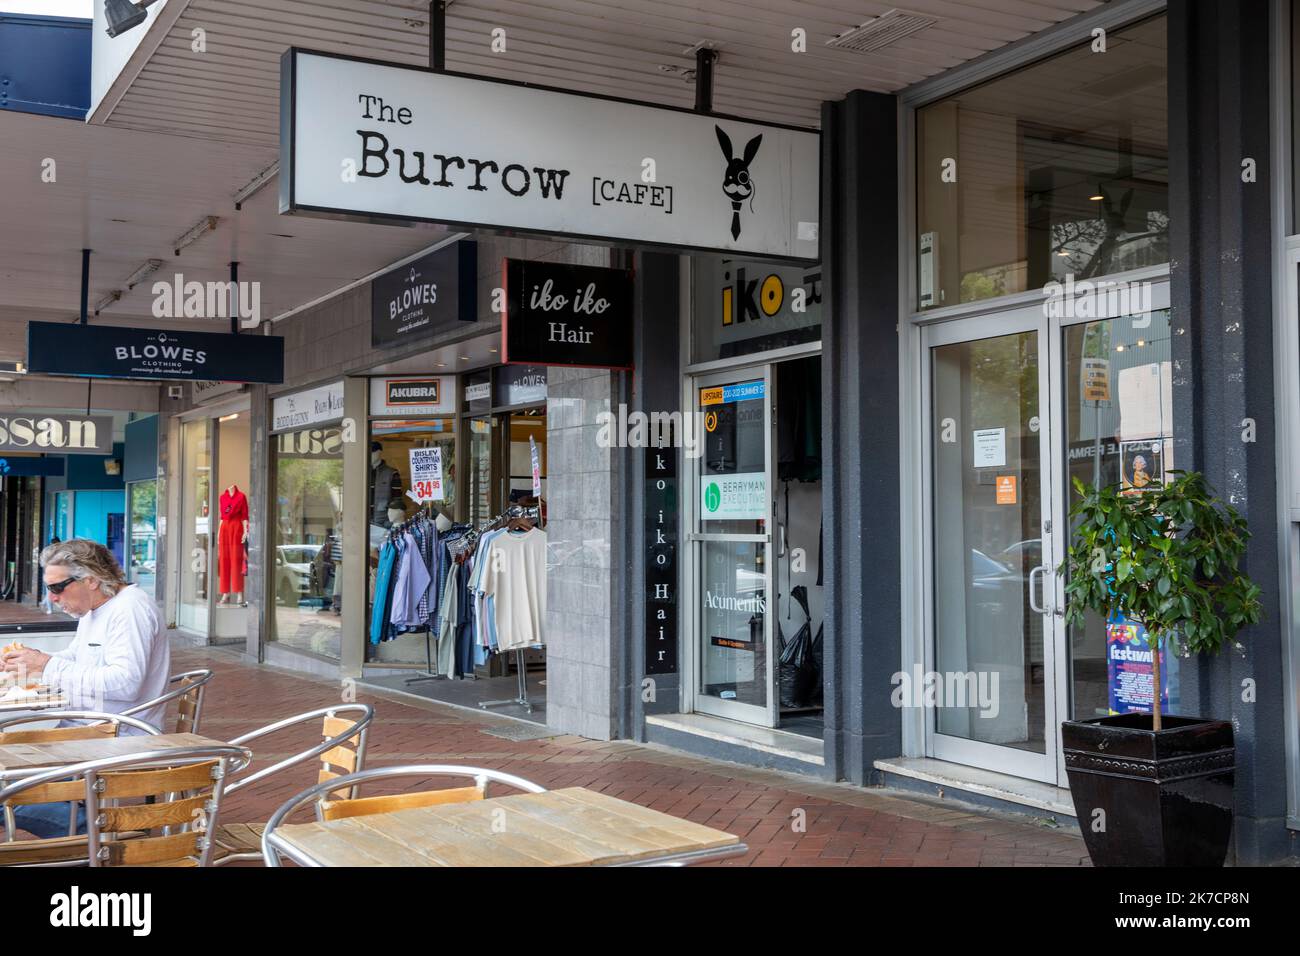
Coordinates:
(123, 15)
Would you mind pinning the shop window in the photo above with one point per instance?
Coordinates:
(306, 576)
(1119, 431)
(1059, 169)
(388, 504)
(142, 511)
(196, 525)
(740, 307)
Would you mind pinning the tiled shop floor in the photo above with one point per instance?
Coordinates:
(842, 825)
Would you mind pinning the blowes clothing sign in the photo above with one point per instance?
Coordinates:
(567, 315)
(431, 294)
(102, 351)
(370, 140)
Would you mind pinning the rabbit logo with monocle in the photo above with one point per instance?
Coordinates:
(737, 183)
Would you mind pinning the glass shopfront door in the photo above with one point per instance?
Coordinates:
(731, 539)
(1018, 404)
(988, 686)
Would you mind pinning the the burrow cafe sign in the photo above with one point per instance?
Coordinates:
(368, 140)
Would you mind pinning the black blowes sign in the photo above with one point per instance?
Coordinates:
(103, 351)
(560, 314)
(426, 296)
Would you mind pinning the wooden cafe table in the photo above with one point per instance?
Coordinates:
(19, 760)
(569, 827)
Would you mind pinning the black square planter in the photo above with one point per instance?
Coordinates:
(1166, 796)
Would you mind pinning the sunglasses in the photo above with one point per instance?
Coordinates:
(60, 586)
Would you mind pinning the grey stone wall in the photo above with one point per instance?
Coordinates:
(584, 513)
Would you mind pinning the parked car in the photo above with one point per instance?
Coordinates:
(293, 576)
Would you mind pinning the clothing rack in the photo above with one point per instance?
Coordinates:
(396, 531)
(521, 670)
(463, 544)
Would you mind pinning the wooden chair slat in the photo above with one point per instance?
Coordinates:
(340, 757)
(145, 783)
(333, 726)
(49, 734)
(150, 816)
(363, 806)
(53, 850)
(60, 791)
(161, 849)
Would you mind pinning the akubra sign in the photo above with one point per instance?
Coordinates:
(101, 351)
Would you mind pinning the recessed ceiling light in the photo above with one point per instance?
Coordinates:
(1062, 253)
(491, 350)
(464, 358)
(1096, 198)
(440, 364)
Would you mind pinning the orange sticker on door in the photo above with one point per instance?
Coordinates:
(1006, 489)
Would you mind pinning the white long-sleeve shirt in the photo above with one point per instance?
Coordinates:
(119, 658)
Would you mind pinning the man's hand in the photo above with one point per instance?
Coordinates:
(26, 661)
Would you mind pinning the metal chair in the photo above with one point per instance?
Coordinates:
(361, 806)
(189, 698)
(341, 726)
(183, 787)
(108, 725)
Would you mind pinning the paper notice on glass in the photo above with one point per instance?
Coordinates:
(426, 474)
(990, 447)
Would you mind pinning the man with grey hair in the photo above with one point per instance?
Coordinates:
(120, 657)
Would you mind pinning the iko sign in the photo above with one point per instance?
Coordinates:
(371, 140)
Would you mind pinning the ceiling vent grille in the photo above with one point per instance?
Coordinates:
(880, 32)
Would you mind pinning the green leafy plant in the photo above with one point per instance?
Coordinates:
(1165, 557)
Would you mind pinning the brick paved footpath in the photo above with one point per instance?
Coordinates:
(846, 825)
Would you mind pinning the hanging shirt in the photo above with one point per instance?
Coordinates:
(410, 588)
(516, 578)
(379, 625)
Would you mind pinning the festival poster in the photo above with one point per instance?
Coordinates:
(1128, 668)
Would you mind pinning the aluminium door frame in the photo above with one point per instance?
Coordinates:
(693, 564)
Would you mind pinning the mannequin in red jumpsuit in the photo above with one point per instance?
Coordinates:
(230, 544)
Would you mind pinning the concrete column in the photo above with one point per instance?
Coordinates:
(259, 498)
(1220, 291)
(860, 422)
(356, 529)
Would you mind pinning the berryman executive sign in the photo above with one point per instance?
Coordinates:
(104, 351)
(429, 295)
(55, 433)
(559, 314)
(371, 140)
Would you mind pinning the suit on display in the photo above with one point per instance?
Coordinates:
(231, 560)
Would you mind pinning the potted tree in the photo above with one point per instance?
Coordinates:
(1155, 789)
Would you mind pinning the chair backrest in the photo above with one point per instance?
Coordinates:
(100, 725)
(327, 809)
(342, 749)
(185, 785)
(188, 694)
(177, 792)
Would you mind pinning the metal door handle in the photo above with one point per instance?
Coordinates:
(1033, 606)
